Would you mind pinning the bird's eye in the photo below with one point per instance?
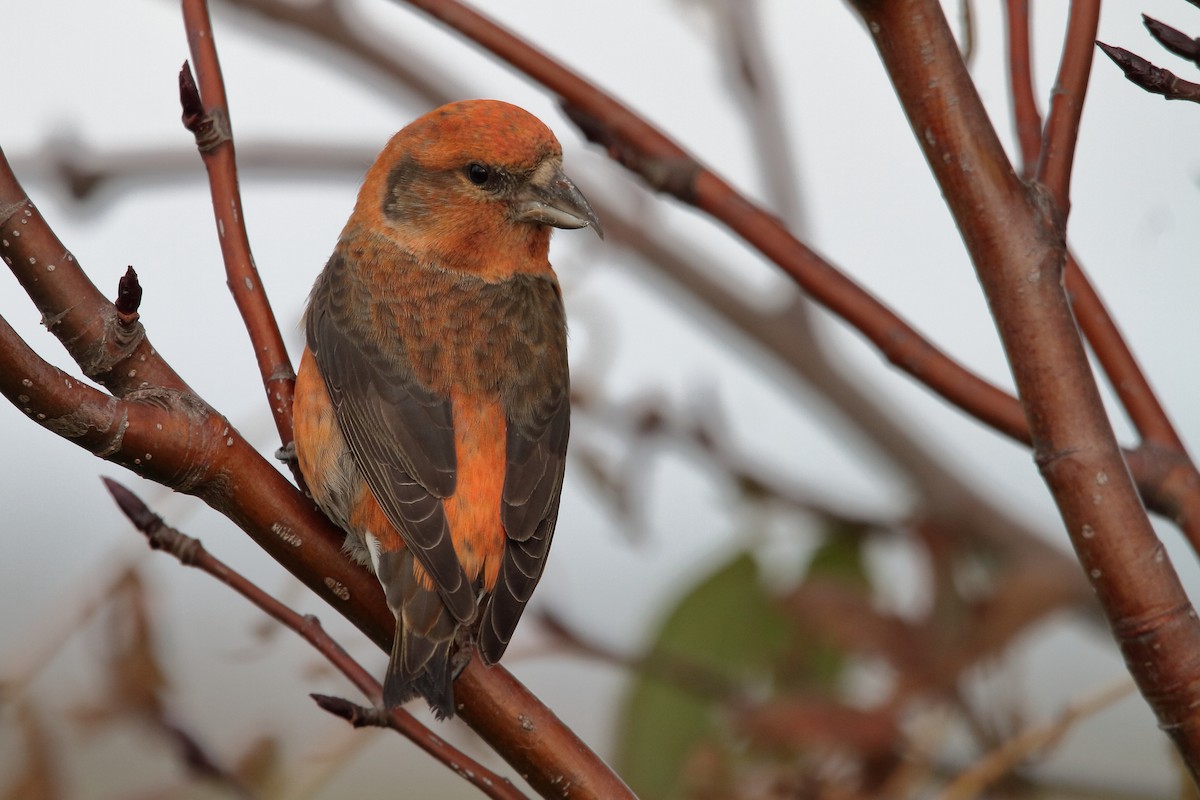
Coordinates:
(478, 174)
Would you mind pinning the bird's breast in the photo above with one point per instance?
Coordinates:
(463, 335)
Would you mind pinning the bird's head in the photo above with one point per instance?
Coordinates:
(474, 186)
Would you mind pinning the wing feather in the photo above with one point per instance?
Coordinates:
(401, 433)
(532, 488)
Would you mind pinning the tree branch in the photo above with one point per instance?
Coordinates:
(1027, 119)
(1018, 250)
(1161, 451)
(1066, 105)
(206, 115)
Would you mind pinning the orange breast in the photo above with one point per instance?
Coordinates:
(474, 510)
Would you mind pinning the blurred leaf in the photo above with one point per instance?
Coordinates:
(840, 556)
(728, 628)
(838, 561)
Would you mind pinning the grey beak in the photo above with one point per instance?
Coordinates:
(552, 199)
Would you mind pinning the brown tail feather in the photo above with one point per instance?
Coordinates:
(425, 631)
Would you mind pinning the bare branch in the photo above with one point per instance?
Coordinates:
(206, 114)
(1020, 80)
(1018, 251)
(1066, 105)
(1160, 441)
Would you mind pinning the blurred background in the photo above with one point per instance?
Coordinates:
(781, 565)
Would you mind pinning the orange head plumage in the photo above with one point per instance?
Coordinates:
(460, 186)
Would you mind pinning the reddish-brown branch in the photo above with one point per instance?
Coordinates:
(1161, 448)
(116, 355)
(1027, 118)
(191, 552)
(206, 114)
(1112, 351)
(1066, 104)
(1018, 250)
(1166, 476)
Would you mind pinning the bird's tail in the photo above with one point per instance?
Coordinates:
(425, 631)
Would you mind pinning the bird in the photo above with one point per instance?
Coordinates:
(432, 401)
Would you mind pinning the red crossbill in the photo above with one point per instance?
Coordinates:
(432, 401)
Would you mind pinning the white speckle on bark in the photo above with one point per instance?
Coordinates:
(286, 534)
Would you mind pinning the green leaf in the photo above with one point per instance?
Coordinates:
(726, 632)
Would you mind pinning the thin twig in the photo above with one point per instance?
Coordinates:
(1061, 133)
(190, 552)
(206, 114)
(1027, 119)
(756, 89)
(1032, 741)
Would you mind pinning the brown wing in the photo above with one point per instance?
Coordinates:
(400, 433)
(537, 450)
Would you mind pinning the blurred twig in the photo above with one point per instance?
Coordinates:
(1032, 741)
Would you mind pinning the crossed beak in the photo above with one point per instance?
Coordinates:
(552, 199)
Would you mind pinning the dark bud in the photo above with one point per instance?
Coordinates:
(1176, 41)
(129, 297)
(210, 129)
